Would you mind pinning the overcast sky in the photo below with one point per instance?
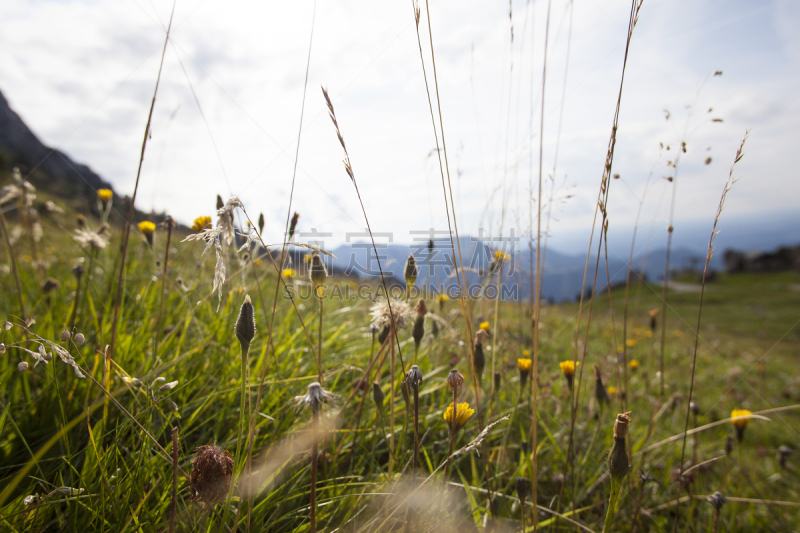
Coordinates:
(81, 74)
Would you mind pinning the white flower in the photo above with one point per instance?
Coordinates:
(382, 316)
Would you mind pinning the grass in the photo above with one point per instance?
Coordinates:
(58, 430)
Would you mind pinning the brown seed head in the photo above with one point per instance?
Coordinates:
(455, 380)
(212, 469)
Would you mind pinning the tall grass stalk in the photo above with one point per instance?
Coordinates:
(129, 220)
(728, 186)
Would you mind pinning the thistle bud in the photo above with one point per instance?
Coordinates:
(410, 272)
(378, 396)
(261, 223)
(78, 271)
(293, 225)
(455, 380)
(478, 360)
(212, 470)
(318, 272)
(245, 327)
(524, 488)
(783, 453)
(414, 377)
(618, 464)
(384, 333)
(600, 392)
(418, 330)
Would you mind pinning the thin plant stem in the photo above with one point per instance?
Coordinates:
(163, 286)
(453, 421)
(13, 265)
(313, 489)
(131, 210)
(612, 503)
(174, 504)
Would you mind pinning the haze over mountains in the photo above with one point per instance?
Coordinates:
(56, 172)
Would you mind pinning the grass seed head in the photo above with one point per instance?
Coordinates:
(293, 225)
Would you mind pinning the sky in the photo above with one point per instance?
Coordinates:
(227, 114)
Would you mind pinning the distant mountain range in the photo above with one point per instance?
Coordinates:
(563, 273)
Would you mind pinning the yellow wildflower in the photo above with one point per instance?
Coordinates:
(740, 419)
(630, 343)
(288, 273)
(201, 223)
(568, 367)
(677, 333)
(147, 228)
(611, 390)
(524, 365)
(526, 353)
(463, 414)
(104, 195)
(485, 326)
(634, 364)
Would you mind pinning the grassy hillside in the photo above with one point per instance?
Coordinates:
(72, 460)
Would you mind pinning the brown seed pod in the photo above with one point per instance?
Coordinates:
(212, 470)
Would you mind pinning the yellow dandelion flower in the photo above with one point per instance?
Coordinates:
(105, 195)
(201, 223)
(147, 227)
(500, 255)
(288, 273)
(634, 364)
(463, 414)
(630, 343)
(611, 390)
(442, 297)
(740, 419)
(740, 422)
(526, 353)
(568, 367)
(485, 326)
(524, 365)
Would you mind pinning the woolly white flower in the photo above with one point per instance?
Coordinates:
(382, 315)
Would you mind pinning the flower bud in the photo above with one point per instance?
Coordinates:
(65, 336)
(377, 395)
(318, 272)
(455, 380)
(618, 464)
(524, 487)
(79, 338)
(22, 366)
(410, 272)
(245, 327)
